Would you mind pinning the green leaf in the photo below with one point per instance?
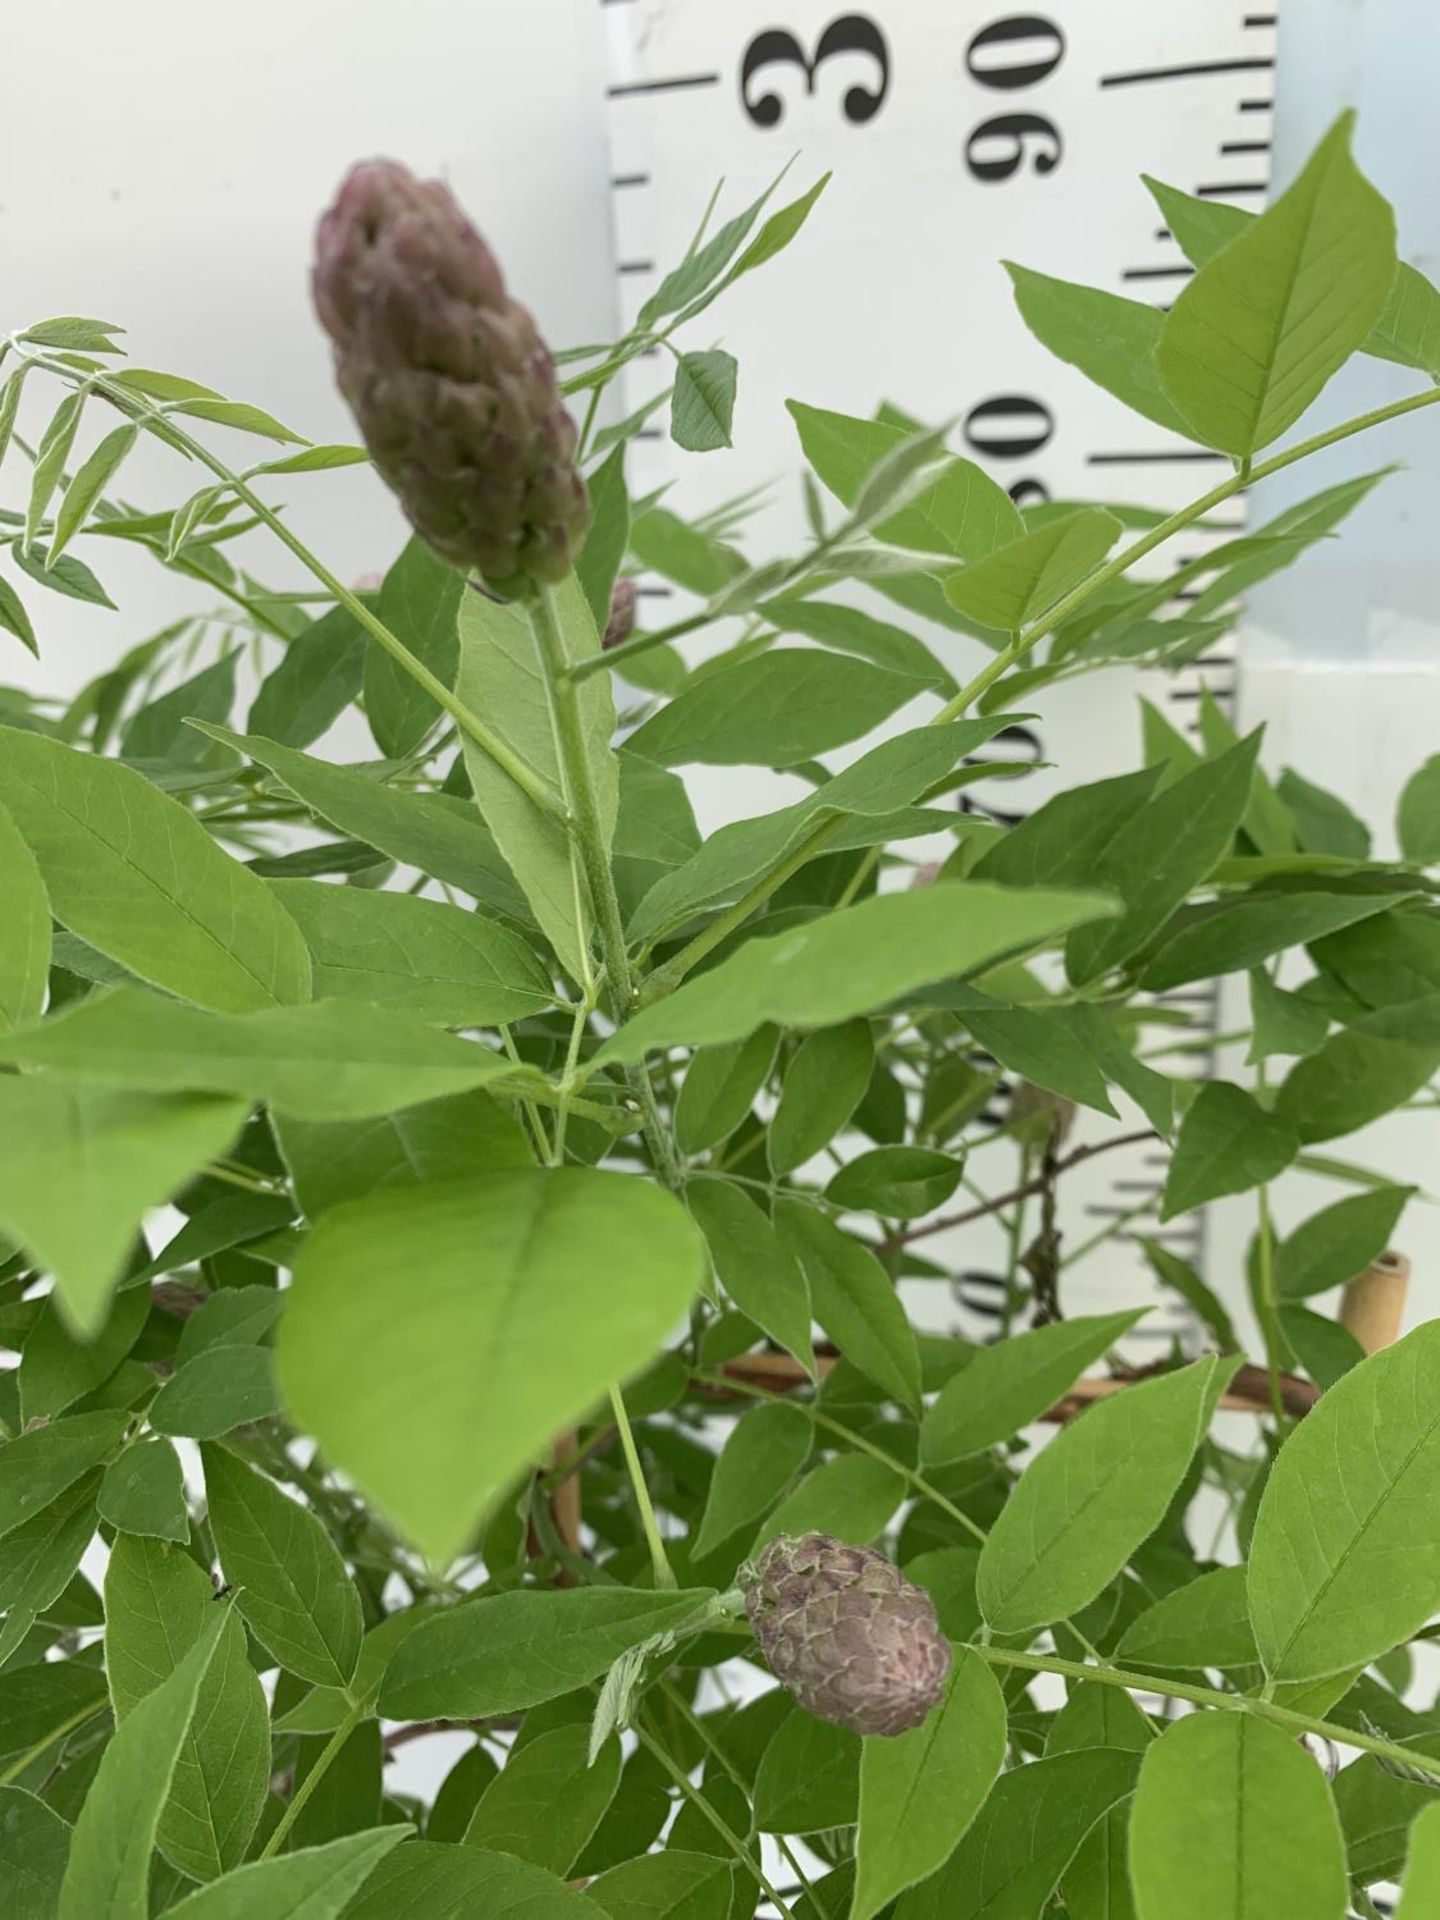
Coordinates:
(1174, 1272)
(1324, 824)
(507, 1652)
(435, 961)
(1390, 958)
(1203, 1624)
(25, 953)
(854, 1300)
(1367, 1070)
(1067, 840)
(50, 460)
(607, 538)
(447, 1139)
(1111, 340)
(159, 732)
(674, 1885)
(1023, 1838)
(920, 1791)
(314, 460)
(1420, 1893)
(158, 1604)
(1207, 1786)
(294, 1592)
(853, 1497)
(965, 512)
(879, 783)
(1055, 1047)
(1261, 328)
(38, 1560)
(1344, 1563)
(319, 674)
(419, 601)
(1234, 935)
(135, 874)
(1228, 1143)
(703, 407)
(848, 630)
(1376, 1807)
(1019, 582)
(548, 1800)
(69, 577)
(719, 1086)
(84, 1165)
(824, 1083)
(56, 1369)
(441, 835)
(38, 1466)
(34, 1846)
(1099, 1489)
(774, 710)
(1167, 847)
(760, 1274)
(809, 1777)
(766, 1449)
(315, 1883)
(1324, 1348)
(237, 414)
(900, 1183)
(108, 1874)
(331, 1060)
(422, 1881)
(14, 619)
(1408, 330)
(224, 1388)
(87, 486)
(851, 961)
(42, 1702)
(1334, 1245)
(143, 1492)
(1281, 1022)
(502, 677)
(1417, 819)
(1009, 1385)
(433, 1412)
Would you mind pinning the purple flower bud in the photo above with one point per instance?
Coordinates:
(843, 1629)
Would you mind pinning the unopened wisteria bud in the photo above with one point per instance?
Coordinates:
(452, 386)
(846, 1633)
(621, 624)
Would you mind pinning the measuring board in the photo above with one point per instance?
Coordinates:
(960, 133)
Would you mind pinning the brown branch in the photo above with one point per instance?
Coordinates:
(1022, 1192)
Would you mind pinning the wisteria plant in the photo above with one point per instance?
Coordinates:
(542, 1344)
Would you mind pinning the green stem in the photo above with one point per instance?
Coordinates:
(665, 979)
(642, 643)
(1108, 1676)
(697, 1799)
(133, 405)
(326, 1759)
(1269, 1305)
(664, 1573)
(594, 855)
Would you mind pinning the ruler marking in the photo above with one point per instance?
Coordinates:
(1256, 106)
(635, 266)
(1260, 20)
(1217, 192)
(675, 84)
(1245, 146)
(1157, 273)
(629, 179)
(1179, 454)
(1195, 69)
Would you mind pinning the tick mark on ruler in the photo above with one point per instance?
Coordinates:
(629, 179)
(675, 84)
(1178, 454)
(1256, 106)
(1231, 186)
(1144, 75)
(1260, 19)
(635, 266)
(1245, 146)
(1158, 273)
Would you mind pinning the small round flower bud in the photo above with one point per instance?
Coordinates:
(843, 1629)
(452, 386)
(621, 624)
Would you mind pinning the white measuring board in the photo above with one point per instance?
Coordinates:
(959, 133)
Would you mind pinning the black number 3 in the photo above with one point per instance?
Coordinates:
(775, 47)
